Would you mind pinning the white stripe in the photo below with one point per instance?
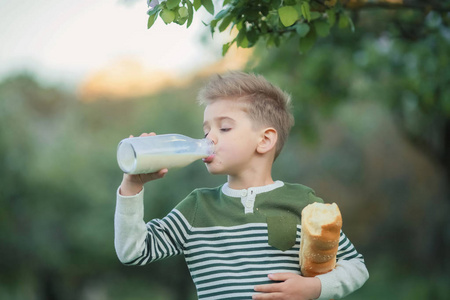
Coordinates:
(169, 232)
(162, 244)
(224, 238)
(230, 284)
(249, 260)
(226, 288)
(226, 228)
(264, 268)
(154, 253)
(214, 249)
(181, 217)
(173, 230)
(351, 253)
(232, 295)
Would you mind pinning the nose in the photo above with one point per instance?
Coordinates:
(212, 137)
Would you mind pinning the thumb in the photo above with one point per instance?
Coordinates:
(281, 276)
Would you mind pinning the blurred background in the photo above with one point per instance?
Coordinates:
(372, 134)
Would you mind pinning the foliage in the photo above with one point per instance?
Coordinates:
(276, 21)
(404, 67)
(58, 177)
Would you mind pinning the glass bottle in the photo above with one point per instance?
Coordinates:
(148, 154)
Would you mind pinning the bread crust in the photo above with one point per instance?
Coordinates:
(321, 227)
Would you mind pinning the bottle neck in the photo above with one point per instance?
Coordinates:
(207, 146)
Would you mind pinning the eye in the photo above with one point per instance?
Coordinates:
(206, 134)
(225, 129)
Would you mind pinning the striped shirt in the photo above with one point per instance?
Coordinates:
(231, 240)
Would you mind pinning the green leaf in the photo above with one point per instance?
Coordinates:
(352, 26)
(302, 29)
(225, 22)
(168, 16)
(264, 28)
(277, 41)
(331, 16)
(180, 21)
(315, 15)
(306, 11)
(244, 43)
(240, 37)
(307, 42)
(225, 48)
(212, 26)
(288, 15)
(322, 28)
(222, 13)
(155, 10)
(197, 4)
(252, 37)
(171, 4)
(343, 20)
(183, 12)
(270, 41)
(208, 5)
(151, 20)
(240, 25)
(190, 14)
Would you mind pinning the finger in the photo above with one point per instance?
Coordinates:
(267, 288)
(163, 172)
(152, 176)
(271, 296)
(148, 134)
(281, 276)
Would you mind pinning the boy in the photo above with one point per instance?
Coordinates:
(240, 240)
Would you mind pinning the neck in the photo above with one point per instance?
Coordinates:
(245, 181)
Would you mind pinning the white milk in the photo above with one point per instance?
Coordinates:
(155, 162)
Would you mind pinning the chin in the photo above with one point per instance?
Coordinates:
(214, 171)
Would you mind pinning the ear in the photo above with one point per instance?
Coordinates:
(268, 141)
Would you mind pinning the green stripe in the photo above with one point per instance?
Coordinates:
(239, 287)
(176, 236)
(343, 241)
(179, 216)
(162, 245)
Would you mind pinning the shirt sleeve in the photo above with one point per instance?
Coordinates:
(348, 276)
(139, 243)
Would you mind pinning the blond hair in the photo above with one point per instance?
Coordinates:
(266, 104)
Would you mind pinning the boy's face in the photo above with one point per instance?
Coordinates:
(235, 137)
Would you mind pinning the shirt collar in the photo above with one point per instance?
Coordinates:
(254, 190)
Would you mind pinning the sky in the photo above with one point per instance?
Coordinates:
(64, 40)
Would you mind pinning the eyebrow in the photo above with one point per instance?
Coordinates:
(219, 119)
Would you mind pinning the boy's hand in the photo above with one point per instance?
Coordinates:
(132, 184)
(290, 286)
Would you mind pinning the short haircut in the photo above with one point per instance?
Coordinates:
(266, 104)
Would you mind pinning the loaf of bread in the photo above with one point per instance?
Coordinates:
(321, 226)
